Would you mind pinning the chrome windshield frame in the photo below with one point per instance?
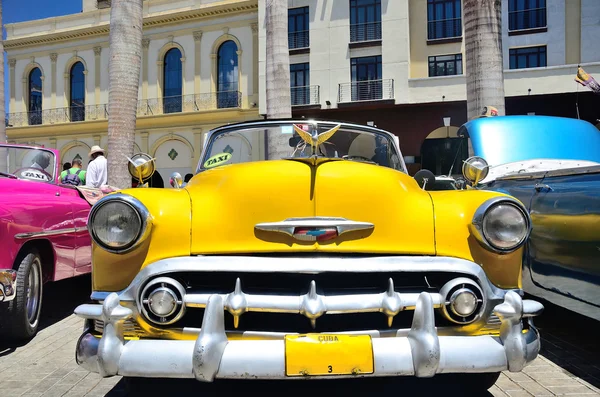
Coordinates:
(265, 123)
(53, 153)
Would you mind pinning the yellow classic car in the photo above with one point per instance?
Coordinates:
(303, 249)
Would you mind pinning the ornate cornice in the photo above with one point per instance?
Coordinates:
(149, 22)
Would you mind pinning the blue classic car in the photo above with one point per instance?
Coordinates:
(552, 165)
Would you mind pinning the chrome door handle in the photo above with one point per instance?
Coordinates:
(542, 186)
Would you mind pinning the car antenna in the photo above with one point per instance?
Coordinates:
(454, 161)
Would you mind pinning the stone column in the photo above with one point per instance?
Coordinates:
(198, 142)
(159, 73)
(242, 80)
(145, 47)
(53, 58)
(144, 137)
(183, 76)
(197, 60)
(97, 74)
(254, 91)
(11, 67)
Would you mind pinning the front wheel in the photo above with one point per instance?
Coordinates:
(24, 310)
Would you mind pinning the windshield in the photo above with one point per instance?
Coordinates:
(34, 164)
(275, 141)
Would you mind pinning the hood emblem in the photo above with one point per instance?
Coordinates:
(315, 139)
(314, 229)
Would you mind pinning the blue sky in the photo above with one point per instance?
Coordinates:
(26, 10)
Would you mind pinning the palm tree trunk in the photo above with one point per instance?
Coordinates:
(483, 48)
(277, 73)
(125, 60)
(3, 154)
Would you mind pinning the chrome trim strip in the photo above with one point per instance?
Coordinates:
(47, 233)
(287, 226)
(260, 123)
(476, 225)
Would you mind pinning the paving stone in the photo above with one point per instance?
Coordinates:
(497, 392)
(535, 388)
(57, 390)
(571, 390)
(518, 393)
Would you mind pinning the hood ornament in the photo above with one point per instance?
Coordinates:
(314, 229)
(315, 139)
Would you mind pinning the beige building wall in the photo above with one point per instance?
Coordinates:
(197, 28)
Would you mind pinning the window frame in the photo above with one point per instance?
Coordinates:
(433, 19)
(228, 98)
(172, 103)
(300, 94)
(360, 31)
(76, 112)
(32, 113)
(433, 61)
(528, 6)
(513, 54)
(298, 36)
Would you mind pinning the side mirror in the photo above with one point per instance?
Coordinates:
(176, 180)
(424, 178)
(475, 169)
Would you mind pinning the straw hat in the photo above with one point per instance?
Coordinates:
(95, 149)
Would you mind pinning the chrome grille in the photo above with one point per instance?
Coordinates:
(130, 327)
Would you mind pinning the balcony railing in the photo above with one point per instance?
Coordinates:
(444, 28)
(368, 90)
(527, 19)
(146, 107)
(305, 95)
(365, 31)
(299, 39)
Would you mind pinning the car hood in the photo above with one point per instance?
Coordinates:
(229, 201)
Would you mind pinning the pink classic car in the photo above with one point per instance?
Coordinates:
(43, 234)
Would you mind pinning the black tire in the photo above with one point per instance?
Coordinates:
(24, 310)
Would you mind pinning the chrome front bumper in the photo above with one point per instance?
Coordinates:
(422, 352)
(8, 285)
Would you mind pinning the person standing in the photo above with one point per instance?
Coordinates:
(97, 172)
(75, 175)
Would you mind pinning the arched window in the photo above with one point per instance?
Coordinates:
(227, 75)
(172, 81)
(35, 97)
(77, 95)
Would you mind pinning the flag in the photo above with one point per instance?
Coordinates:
(587, 81)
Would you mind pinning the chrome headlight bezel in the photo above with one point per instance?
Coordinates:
(484, 209)
(137, 206)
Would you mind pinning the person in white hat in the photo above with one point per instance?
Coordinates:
(97, 171)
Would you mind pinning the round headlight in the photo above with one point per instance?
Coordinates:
(505, 226)
(117, 222)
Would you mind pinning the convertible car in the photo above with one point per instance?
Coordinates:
(551, 165)
(43, 234)
(303, 249)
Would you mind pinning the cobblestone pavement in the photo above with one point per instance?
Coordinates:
(569, 365)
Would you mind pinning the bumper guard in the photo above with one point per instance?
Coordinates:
(422, 353)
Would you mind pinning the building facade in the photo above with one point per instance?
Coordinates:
(396, 64)
(400, 64)
(199, 68)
